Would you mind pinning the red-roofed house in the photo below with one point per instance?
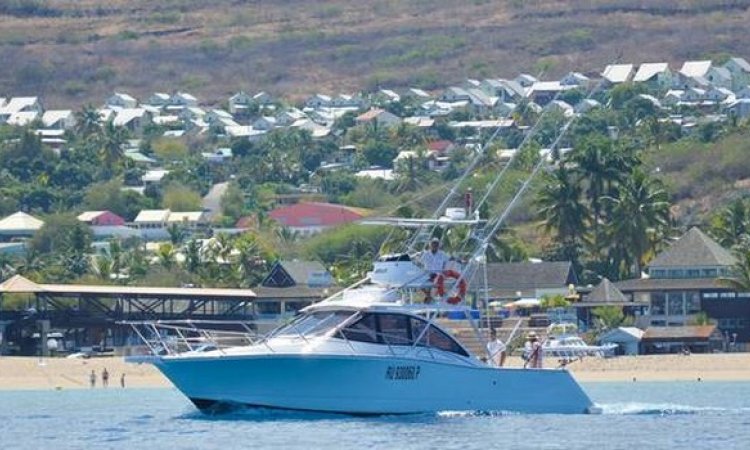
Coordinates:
(101, 218)
(312, 217)
(441, 147)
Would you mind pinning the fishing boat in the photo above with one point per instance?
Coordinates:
(377, 346)
(364, 352)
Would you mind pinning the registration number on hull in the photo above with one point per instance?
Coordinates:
(402, 372)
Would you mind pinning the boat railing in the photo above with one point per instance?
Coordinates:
(173, 337)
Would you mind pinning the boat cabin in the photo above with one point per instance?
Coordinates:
(372, 327)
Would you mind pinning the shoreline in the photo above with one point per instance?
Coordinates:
(32, 373)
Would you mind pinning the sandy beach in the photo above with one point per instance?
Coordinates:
(58, 373)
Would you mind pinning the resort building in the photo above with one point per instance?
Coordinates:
(685, 280)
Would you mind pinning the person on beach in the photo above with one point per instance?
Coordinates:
(92, 378)
(105, 378)
(122, 380)
(496, 349)
(533, 352)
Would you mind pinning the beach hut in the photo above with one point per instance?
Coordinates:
(628, 339)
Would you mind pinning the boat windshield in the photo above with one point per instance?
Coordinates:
(399, 329)
(313, 324)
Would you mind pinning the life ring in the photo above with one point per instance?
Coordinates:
(440, 284)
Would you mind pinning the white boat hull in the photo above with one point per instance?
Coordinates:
(370, 384)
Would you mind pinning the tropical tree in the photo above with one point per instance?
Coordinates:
(166, 256)
(110, 142)
(88, 122)
(561, 206)
(640, 218)
(176, 233)
(732, 224)
(609, 317)
(192, 251)
(739, 279)
(600, 166)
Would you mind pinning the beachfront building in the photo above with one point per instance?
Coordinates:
(89, 316)
(606, 294)
(683, 281)
(628, 340)
(525, 280)
(289, 287)
(693, 339)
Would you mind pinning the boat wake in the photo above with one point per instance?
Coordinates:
(665, 409)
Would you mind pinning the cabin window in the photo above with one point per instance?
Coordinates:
(363, 330)
(440, 340)
(394, 329)
(314, 324)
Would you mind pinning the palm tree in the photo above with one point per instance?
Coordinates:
(601, 166)
(192, 252)
(560, 206)
(88, 122)
(176, 234)
(640, 218)
(740, 276)
(166, 255)
(732, 224)
(110, 142)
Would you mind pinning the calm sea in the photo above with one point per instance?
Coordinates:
(689, 415)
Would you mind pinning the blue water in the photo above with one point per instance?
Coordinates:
(688, 415)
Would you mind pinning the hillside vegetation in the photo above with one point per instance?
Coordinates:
(74, 51)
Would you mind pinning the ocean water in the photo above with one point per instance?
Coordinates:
(689, 415)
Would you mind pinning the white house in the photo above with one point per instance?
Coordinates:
(152, 218)
(720, 77)
(561, 107)
(22, 118)
(739, 108)
(158, 99)
(525, 80)
(133, 119)
(265, 123)
(289, 116)
(656, 75)
(740, 70)
(121, 100)
(62, 119)
(379, 116)
(182, 100)
(575, 79)
(190, 220)
(239, 103)
(19, 105)
(696, 69)
(618, 73)
(318, 101)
